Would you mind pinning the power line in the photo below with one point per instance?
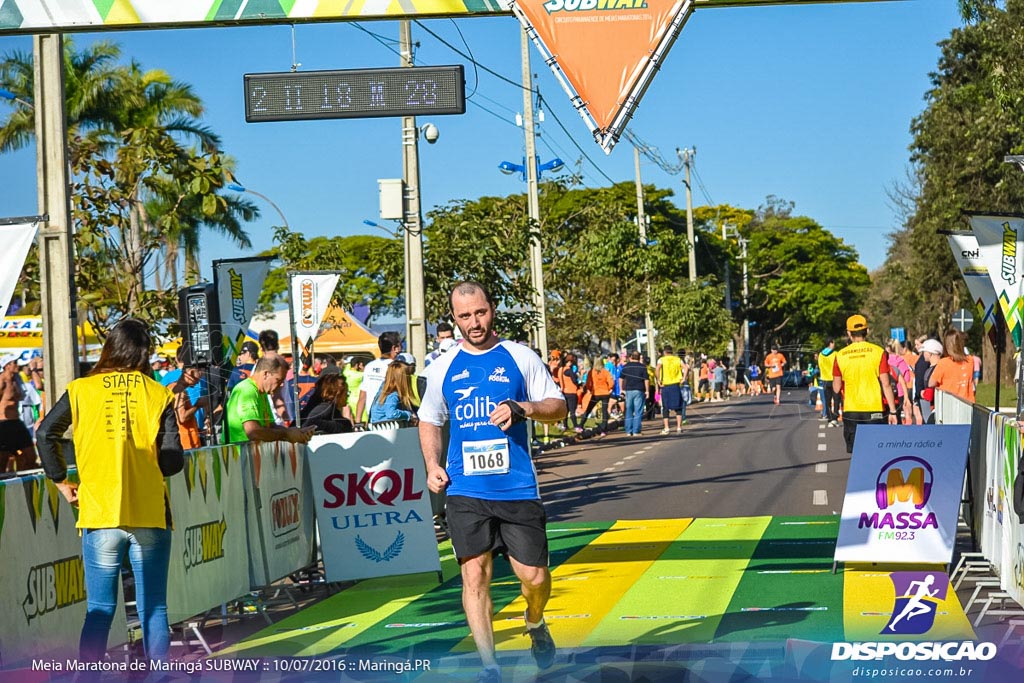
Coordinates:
(653, 154)
(700, 184)
(540, 100)
(470, 57)
(492, 113)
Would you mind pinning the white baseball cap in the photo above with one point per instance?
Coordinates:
(9, 358)
(406, 358)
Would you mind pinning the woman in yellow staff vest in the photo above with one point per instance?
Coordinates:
(126, 441)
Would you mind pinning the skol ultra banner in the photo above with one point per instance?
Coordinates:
(903, 494)
(42, 585)
(968, 258)
(280, 511)
(239, 283)
(209, 545)
(16, 238)
(1001, 247)
(310, 296)
(372, 505)
(604, 52)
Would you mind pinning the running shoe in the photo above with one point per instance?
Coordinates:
(666, 431)
(679, 430)
(578, 430)
(542, 647)
(489, 675)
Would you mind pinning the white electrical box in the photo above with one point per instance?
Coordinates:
(392, 204)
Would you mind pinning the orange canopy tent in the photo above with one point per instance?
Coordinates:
(340, 334)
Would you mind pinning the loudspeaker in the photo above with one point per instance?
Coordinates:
(882, 490)
(201, 329)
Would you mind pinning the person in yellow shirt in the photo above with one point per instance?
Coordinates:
(774, 368)
(126, 441)
(670, 372)
(833, 399)
(861, 373)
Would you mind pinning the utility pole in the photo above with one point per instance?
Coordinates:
(688, 155)
(533, 202)
(56, 264)
(641, 221)
(746, 319)
(728, 290)
(415, 305)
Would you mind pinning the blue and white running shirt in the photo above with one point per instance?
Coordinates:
(463, 387)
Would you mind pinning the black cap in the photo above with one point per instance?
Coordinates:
(250, 348)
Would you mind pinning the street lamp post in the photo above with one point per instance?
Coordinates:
(236, 187)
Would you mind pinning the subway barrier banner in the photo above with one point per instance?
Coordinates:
(209, 548)
(903, 494)
(998, 507)
(280, 512)
(968, 258)
(372, 505)
(310, 296)
(16, 238)
(239, 283)
(1002, 253)
(42, 585)
(604, 53)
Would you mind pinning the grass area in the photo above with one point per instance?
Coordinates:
(986, 395)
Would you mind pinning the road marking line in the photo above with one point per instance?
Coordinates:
(621, 462)
(629, 457)
(820, 497)
(638, 452)
(609, 469)
(647, 448)
(821, 435)
(822, 447)
(821, 467)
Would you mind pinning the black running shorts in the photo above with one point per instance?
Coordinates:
(775, 382)
(518, 527)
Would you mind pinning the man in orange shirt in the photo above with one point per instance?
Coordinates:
(774, 363)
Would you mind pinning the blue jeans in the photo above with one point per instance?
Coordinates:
(634, 410)
(103, 551)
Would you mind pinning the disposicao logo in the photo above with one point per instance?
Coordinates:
(907, 482)
(917, 597)
(584, 5)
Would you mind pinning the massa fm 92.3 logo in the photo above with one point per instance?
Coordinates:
(905, 482)
(53, 585)
(584, 5)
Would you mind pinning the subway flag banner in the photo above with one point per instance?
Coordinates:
(903, 494)
(209, 544)
(1001, 243)
(239, 283)
(372, 505)
(604, 52)
(42, 585)
(975, 274)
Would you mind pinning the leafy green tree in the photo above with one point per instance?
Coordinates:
(371, 268)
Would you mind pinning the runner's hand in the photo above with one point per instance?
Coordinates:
(437, 479)
(69, 490)
(506, 414)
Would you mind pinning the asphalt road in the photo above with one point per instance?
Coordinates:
(741, 457)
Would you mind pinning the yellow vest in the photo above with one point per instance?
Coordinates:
(859, 363)
(116, 418)
(825, 365)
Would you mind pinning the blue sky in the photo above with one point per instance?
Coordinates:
(812, 104)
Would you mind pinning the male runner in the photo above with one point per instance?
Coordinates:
(488, 389)
(774, 369)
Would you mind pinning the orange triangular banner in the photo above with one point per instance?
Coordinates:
(604, 52)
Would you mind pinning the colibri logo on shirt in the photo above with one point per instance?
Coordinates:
(498, 375)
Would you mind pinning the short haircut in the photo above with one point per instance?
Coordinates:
(388, 341)
(667, 349)
(445, 327)
(466, 288)
(270, 364)
(268, 340)
(634, 356)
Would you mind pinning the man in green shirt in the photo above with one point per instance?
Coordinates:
(249, 414)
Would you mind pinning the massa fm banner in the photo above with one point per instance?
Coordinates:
(38, 16)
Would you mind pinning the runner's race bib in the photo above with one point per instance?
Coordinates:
(485, 457)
